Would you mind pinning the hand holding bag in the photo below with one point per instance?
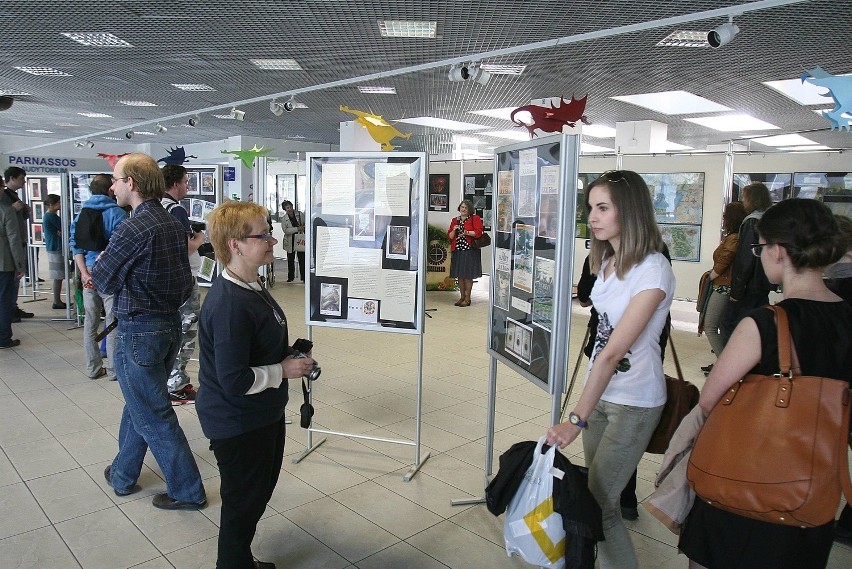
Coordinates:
(774, 447)
(681, 397)
(298, 241)
(533, 530)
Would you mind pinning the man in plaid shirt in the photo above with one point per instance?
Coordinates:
(146, 267)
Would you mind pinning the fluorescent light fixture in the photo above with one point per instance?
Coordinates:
(685, 38)
(66, 124)
(377, 90)
(507, 134)
(193, 87)
(591, 148)
(276, 64)
(802, 93)
(598, 131)
(145, 132)
(95, 115)
(48, 71)
(808, 147)
(407, 29)
(732, 123)
(40, 131)
(844, 115)
(296, 137)
(112, 138)
(502, 113)
(138, 103)
(447, 124)
(784, 140)
(673, 102)
(12, 93)
(96, 39)
(501, 69)
(225, 117)
(461, 139)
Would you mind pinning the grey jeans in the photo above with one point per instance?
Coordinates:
(93, 301)
(716, 305)
(613, 445)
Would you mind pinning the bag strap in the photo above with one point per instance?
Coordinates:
(675, 358)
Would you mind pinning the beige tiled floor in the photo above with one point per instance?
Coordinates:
(344, 506)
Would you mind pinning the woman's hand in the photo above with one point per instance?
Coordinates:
(296, 367)
(562, 434)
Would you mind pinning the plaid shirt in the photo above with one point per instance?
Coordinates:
(146, 263)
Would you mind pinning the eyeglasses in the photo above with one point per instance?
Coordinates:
(757, 248)
(264, 236)
(124, 179)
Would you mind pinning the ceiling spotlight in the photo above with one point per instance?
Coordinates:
(90, 144)
(276, 108)
(721, 35)
(479, 75)
(469, 72)
(193, 121)
(459, 73)
(128, 135)
(237, 114)
(161, 129)
(78, 144)
(289, 104)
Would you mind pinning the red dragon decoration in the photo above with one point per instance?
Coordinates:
(111, 158)
(552, 119)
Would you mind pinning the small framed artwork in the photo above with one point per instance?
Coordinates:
(36, 234)
(38, 211)
(35, 190)
(208, 184)
(193, 184)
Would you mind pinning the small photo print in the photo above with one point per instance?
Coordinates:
(518, 340)
(363, 310)
(330, 299)
(501, 290)
(208, 184)
(36, 234)
(364, 224)
(38, 211)
(397, 240)
(207, 268)
(197, 211)
(193, 184)
(439, 202)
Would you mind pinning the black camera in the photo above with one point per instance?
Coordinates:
(301, 348)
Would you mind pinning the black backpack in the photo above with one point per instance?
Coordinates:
(89, 231)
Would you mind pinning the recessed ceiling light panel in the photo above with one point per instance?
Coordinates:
(12, 93)
(276, 64)
(598, 131)
(802, 93)
(225, 117)
(144, 133)
(507, 134)
(592, 148)
(502, 113)
(96, 39)
(48, 71)
(784, 140)
(685, 38)
(193, 87)
(92, 115)
(112, 138)
(499, 69)
(810, 147)
(407, 29)
(138, 103)
(733, 123)
(377, 90)
(673, 102)
(441, 123)
(40, 131)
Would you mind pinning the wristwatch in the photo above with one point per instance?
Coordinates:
(575, 419)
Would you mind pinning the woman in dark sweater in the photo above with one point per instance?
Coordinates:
(245, 361)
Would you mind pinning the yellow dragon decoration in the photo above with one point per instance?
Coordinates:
(380, 130)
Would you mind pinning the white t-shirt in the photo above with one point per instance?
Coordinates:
(638, 379)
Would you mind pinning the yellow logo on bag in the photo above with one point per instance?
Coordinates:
(534, 519)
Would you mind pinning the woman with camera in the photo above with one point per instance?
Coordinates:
(466, 263)
(245, 360)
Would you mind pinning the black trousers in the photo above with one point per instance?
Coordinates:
(291, 264)
(249, 465)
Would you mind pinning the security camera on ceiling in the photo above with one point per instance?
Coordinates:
(289, 105)
(193, 121)
(128, 135)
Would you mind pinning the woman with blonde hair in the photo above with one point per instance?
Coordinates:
(625, 389)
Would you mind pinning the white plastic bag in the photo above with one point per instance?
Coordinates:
(532, 529)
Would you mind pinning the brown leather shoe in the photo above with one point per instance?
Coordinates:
(166, 502)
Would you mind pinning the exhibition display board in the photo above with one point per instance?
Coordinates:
(532, 257)
(367, 230)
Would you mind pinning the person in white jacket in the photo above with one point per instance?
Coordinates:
(293, 223)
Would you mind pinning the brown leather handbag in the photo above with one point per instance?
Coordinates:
(681, 397)
(774, 448)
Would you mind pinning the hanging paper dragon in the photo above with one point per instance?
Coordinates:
(176, 157)
(380, 130)
(839, 89)
(112, 158)
(248, 156)
(552, 119)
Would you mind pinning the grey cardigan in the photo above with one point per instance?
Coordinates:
(12, 254)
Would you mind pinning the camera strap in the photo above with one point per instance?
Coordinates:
(306, 411)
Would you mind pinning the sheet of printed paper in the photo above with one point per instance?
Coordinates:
(527, 162)
(393, 183)
(399, 295)
(550, 179)
(333, 252)
(365, 273)
(338, 188)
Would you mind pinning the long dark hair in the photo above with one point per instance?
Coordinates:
(733, 217)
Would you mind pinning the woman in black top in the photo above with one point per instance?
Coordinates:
(797, 239)
(245, 360)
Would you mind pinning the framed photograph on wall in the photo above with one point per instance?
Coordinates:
(36, 234)
(38, 211)
(439, 192)
(208, 183)
(193, 184)
(35, 190)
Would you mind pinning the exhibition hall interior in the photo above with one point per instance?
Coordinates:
(316, 101)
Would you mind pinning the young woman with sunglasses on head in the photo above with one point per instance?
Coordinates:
(625, 389)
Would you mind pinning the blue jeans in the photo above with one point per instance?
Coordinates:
(145, 350)
(613, 446)
(8, 296)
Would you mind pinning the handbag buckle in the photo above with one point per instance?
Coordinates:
(785, 390)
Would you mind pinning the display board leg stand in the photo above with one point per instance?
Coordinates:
(574, 375)
(428, 310)
(418, 460)
(489, 433)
